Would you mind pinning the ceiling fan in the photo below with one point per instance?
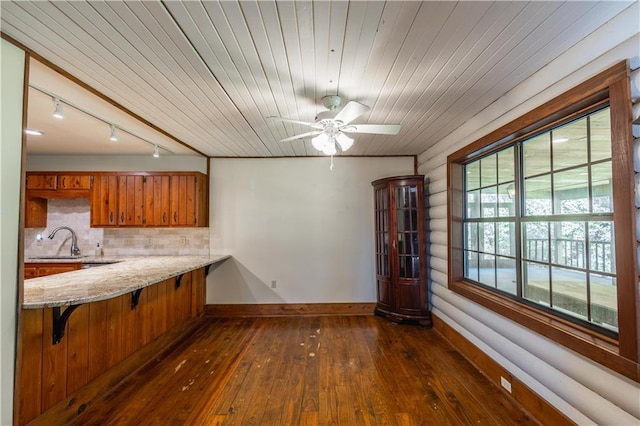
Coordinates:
(330, 126)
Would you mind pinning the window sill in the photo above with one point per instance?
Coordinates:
(588, 343)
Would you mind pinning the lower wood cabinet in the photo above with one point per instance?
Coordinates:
(34, 270)
(97, 336)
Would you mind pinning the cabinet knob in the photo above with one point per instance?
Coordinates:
(111, 217)
(164, 217)
(121, 216)
(175, 217)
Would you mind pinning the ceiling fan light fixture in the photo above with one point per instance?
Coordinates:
(344, 141)
(320, 141)
(58, 112)
(330, 147)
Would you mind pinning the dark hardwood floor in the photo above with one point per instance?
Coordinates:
(357, 370)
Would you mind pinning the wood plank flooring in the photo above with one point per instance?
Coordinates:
(342, 370)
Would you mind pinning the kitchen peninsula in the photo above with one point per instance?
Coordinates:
(87, 330)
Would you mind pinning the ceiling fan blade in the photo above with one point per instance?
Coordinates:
(290, 120)
(379, 129)
(301, 136)
(351, 111)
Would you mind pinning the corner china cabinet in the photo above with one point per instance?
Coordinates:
(401, 249)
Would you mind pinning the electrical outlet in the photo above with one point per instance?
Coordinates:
(274, 284)
(183, 241)
(128, 242)
(505, 384)
(149, 241)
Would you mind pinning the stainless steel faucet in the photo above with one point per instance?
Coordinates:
(75, 250)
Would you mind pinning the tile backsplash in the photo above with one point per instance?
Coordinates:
(74, 213)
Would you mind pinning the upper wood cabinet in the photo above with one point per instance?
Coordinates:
(187, 200)
(149, 199)
(123, 199)
(104, 201)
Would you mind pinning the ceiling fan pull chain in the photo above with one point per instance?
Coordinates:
(331, 166)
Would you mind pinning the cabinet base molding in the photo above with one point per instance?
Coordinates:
(67, 410)
(530, 401)
(423, 320)
(288, 309)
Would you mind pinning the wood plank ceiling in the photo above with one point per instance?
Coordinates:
(210, 72)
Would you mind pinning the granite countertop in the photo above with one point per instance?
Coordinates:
(119, 276)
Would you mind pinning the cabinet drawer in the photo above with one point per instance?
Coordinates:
(75, 182)
(42, 182)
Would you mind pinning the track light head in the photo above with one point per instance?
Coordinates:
(58, 112)
(114, 136)
(156, 152)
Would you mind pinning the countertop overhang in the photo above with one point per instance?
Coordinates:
(127, 274)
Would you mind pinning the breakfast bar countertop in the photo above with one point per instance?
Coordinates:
(120, 275)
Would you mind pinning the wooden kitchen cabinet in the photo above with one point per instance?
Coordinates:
(34, 270)
(131, 199)
(104, 202)
(401, 249)
(42, 181)
(74, 182)
(188, 200)
(156, 200)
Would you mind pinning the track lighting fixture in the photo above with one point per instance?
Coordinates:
(58, 112)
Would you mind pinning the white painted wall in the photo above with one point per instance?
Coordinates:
(586, 392)
(116, 163)
(11, 84)
(294, 221)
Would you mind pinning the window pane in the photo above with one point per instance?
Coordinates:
(489, 198)
(506, 200)
(506, 238)
(600, 135)
(506, 170)
(569, 291)
(487, 237)
(570, 144)
(471, 236)
(488, 171)
(472, 175)
(536, 241)
(604, 301)
(537, 155)
(471, 265)
(538, 196)
(506, 273)
(536, 283)
(568, 244)
(601, 188)
(487, 265)
(571, 192)
(601, 247)
(473, 204)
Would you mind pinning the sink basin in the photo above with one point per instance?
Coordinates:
(57, 257)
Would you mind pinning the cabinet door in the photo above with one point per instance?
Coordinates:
(383, 269)
(183, 200)
(35, 213)
(42, 182)
(104, 201)
(75, 181)
(410, 295)
(156, 200)
(130, 200)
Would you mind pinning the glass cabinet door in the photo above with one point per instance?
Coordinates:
(382, 231)
(407, 231)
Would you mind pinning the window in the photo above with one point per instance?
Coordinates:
(541, 228)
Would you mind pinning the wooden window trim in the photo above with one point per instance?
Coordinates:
(622, 355)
